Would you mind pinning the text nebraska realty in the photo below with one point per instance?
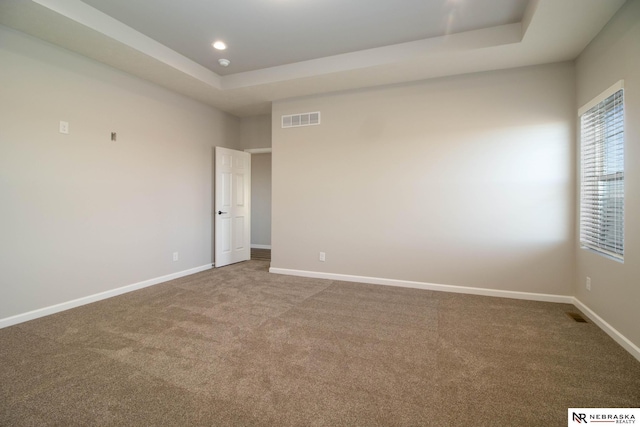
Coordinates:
(611, 418)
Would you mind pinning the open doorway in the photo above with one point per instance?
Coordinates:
(255, 138)
(261, 206)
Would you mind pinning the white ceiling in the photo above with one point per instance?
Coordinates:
(268, 33)
(285, 48)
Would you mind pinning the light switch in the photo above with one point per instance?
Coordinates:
(64, 127)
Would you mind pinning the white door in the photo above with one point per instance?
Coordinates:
(232, 206)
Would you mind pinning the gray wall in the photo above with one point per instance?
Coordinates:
(468, 180)
(255, 132)
(81, 214)
(261, 199)
(615, 287)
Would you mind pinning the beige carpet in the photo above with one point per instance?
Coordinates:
(240, 346)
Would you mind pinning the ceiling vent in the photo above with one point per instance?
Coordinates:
(303, 119)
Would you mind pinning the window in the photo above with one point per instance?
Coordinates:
(602, 173)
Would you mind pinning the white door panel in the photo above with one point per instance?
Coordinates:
(232, 206)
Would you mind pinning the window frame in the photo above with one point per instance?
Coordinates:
(603, 180)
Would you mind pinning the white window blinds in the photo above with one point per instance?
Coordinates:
(602, 176)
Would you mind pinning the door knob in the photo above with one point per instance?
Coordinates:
(220, 212)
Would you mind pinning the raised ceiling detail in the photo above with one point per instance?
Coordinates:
(280, 49)
(270, 33)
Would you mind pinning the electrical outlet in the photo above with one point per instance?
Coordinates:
(588, 283)
(175, 256)
(323, 256)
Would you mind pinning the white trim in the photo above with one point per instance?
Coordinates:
(427, 286)
(41, 312)
(601, 323)
(260, 246)
(610, 330)
(257, 150)
(598, 99)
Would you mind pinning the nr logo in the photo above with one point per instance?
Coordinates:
(580, 418)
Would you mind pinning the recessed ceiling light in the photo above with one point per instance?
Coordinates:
(219, 45)
(224, 62)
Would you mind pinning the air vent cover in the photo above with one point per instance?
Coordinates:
(302, 119)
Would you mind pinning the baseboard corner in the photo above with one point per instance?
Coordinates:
(616, 335)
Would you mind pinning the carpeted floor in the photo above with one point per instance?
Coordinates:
(238, 346)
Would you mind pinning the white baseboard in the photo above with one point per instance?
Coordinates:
(610, 330)
(427, 286)
(41, 312)
(260, 246)
(607, 328)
